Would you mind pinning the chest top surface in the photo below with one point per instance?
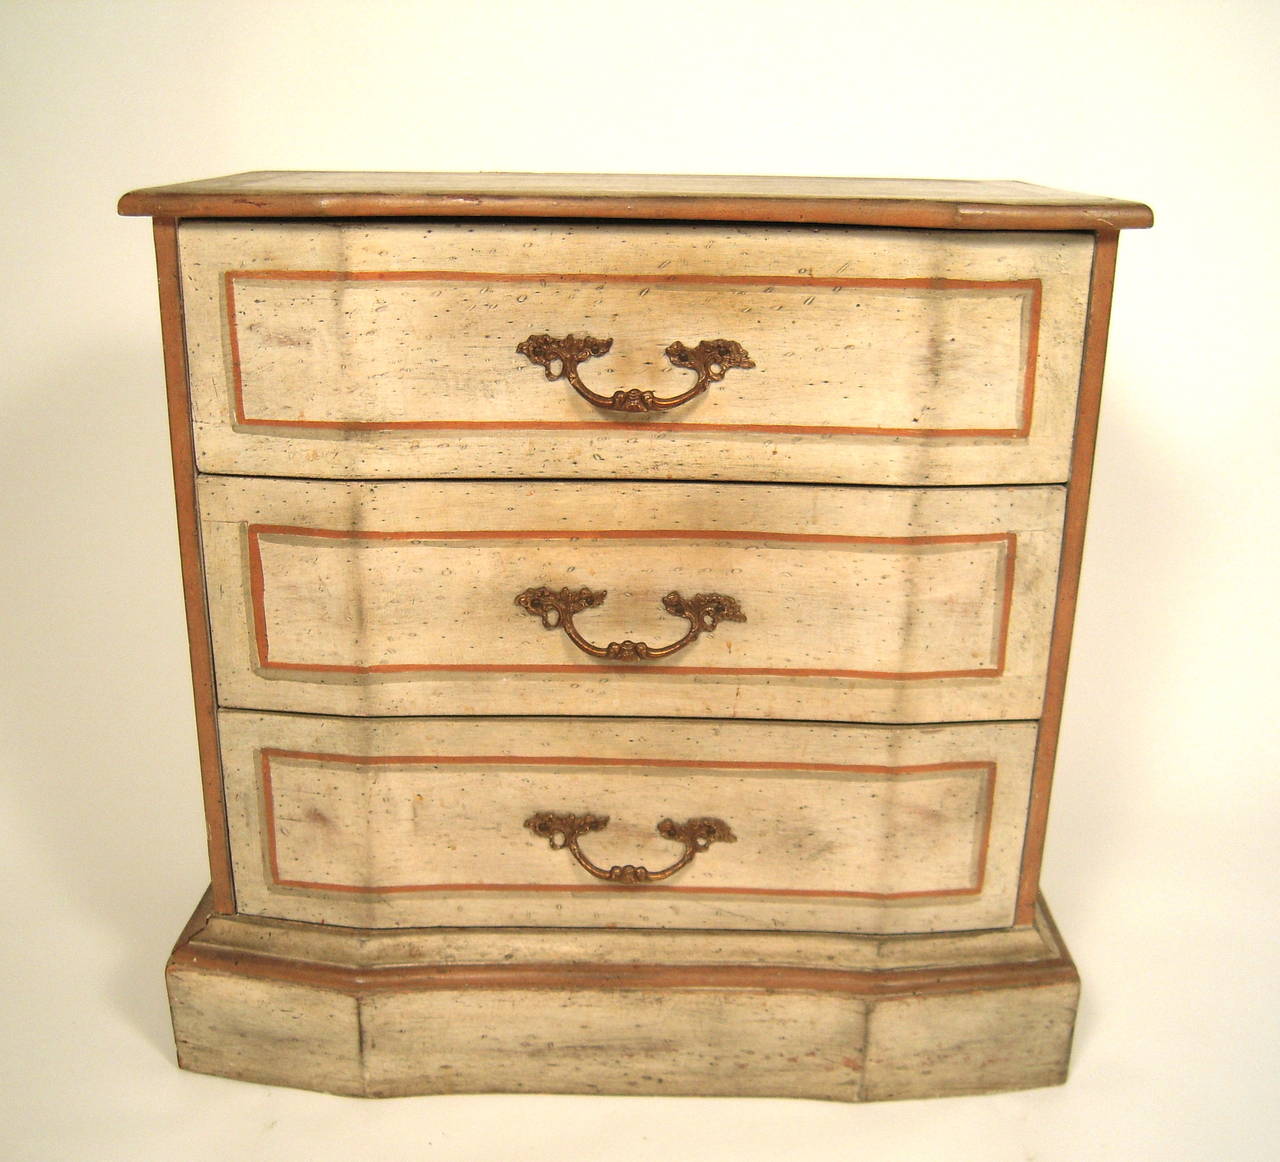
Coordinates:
(928, 203)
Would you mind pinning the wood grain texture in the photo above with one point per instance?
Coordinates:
(970, 1042)
(270, 1031)
(193, 577)
(891, 605)
(402, 350)
(360, 960)
(669, 1041)
(965, 1024)
(994, 205)
(392, 822)
(471, 950)
(389, 350)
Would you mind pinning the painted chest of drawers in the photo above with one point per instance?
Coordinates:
(629, 622)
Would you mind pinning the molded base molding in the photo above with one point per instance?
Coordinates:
(383, 1013)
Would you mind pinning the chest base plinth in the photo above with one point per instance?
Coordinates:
(762, 1014)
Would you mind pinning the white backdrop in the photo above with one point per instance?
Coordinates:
(1161, 865)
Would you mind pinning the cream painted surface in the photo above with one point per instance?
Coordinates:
(346, 824)
(884, 616)
(366, 948)
(920, 608)
(969, 1042)
(441, 350)
(702, 1041)
(549, 1040)
(853, 1042)
(334, 351)
(277, 1032)
(369, 823)
(695, 1041)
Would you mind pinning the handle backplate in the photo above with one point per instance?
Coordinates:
(563, 830)
(711, 359)
(556, 608)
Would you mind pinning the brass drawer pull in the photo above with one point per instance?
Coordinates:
(556, 608)
(562, 830)
(711, 359)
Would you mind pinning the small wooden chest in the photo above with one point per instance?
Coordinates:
(629, 620)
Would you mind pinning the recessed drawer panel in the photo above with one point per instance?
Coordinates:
(404, 822)
(448, 349)
(846, 604)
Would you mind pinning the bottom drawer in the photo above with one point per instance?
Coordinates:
(783, 825)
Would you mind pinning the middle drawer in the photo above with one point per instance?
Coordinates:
(753, 601)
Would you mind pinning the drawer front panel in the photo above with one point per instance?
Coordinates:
(403, 822)
(859, 604)
(391, 350)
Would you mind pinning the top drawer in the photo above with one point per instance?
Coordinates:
(364, 349)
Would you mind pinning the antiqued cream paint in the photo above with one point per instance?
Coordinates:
(853, 628)
(368, 948)
(384, 472)
(347, 823)
(848, 372)
(263, 1030)
(858, 1042)
(966, 1042)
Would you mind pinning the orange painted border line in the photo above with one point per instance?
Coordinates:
(257, 593)
(1034, 285)
(267, 754)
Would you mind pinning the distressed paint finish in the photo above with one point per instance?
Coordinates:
(412, 350)
(414, 823)
(994, 1039)
(872, 605)
(610, 949)
(695, 1040)
(873, 932)
(276, 1032)
(678, 1041)
(964, 1014)
(389, 350)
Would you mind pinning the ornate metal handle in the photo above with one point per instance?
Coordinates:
(711, 359)
(556, 608)
(562, 830)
